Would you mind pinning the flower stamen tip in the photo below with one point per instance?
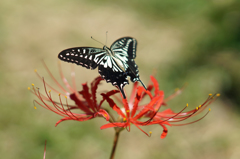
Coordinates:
(176, 89)
(59, 94)
(150, 133)
(210, 94)
(35, 107)
(49, 91)
(196, 108)
(124, 119)
(218, 95)
(29, 88)
(187, 105)
(66, 97)
(32, 84)
(128, 111)
(199, 106)
(35, 70)
(209, 109)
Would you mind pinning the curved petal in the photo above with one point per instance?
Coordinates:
(165, 131)
(104, 114)
(94, 86)
(111, 125)
(155, 83)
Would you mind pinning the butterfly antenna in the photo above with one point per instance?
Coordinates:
(106, 37)
(97, 41)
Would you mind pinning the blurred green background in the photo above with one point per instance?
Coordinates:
(197, 42)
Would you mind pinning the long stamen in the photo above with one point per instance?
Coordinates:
(53, 78)
(64, 79)
(192, 121)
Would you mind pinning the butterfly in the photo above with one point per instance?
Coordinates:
(114, 63)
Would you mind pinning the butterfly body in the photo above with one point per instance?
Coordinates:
(114, 63)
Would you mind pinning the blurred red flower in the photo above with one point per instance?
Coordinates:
(133, 113)
(85, 100)
(130, 112)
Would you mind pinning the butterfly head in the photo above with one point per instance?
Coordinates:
(105, 47)
(109, 51)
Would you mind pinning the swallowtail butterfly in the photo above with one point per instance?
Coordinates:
(114, 63)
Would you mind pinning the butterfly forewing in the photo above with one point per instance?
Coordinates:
(85, 56)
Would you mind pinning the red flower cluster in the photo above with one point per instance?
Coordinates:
(131, 112)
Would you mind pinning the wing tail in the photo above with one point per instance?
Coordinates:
(122, 92)
(142, 84)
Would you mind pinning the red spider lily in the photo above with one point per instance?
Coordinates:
(133, 112)
(85, 100)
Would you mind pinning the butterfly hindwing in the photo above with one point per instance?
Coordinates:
(133, 70)
(125, 46)
(88, 57)
(118, 79)
(125, 49)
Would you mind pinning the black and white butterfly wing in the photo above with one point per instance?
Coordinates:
(125, 49)
(125, 46)
(88, 57)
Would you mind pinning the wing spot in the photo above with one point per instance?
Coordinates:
(67, 54)
(61, 55)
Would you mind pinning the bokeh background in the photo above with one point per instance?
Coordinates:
(197, 42)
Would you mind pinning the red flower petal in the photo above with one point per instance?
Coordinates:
(104, 114)
(165, 131)
(113, 105)
(94, 86)
(79, 103)
(155, 83)
(111, 125)
(137, 99)
(87, 96)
